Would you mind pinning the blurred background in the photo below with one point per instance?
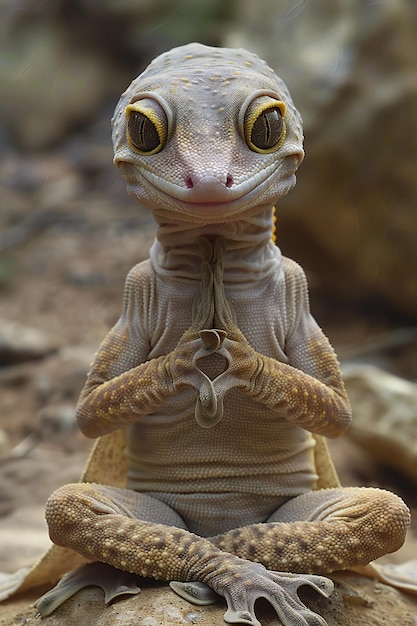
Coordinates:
(69, 233)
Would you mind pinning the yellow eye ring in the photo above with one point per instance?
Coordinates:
(146, 126)
(264, 124)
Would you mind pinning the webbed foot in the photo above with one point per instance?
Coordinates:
(114, 583)
(241, 592)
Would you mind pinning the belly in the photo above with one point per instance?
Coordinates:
(250, 451)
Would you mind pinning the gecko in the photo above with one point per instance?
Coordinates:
(213, 393)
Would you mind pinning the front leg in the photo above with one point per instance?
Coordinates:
(118, 390)
(106, 405)
(101, 524)
(321, 407)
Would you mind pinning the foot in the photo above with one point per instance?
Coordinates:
(114, 583)
(195, 592)
(243, 588)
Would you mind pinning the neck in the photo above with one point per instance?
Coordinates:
(249, 251)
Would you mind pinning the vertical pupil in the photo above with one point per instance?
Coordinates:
(267, 129)
(142, 131)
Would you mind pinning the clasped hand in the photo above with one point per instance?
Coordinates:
(214, 330)
(241, 362)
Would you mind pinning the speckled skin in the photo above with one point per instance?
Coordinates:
(216, 368)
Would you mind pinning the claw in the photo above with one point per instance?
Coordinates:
(324, 586)
(313, 619)
(240, 617)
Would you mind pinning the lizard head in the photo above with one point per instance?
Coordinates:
(207, 135)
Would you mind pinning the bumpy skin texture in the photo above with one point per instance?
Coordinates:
(216, 368)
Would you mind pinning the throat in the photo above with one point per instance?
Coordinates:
(249, 253)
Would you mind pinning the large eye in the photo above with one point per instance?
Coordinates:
(147, 126)
(264, 124)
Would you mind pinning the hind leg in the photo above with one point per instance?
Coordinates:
(114, 582)
(319, 532)
(138, 534)
(323, 531)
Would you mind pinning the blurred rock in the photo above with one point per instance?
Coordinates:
(24, 537)
(394, 351)
(351, 68)
(50, 87)
(5, 444)
(384, 417)
(64, 62)
(19, 343)
(38, 398)
(57, 422)
(62, 376)
(356, 601)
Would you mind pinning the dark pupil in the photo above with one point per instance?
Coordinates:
(142, 132)
(267, 129)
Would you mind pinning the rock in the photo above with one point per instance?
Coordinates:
(50, 84)
(61, 378)
(57, 421)
(24, 537)
(5, 444)
(38, 398)
(351, 70)
(356, 601)
(384, 416)
(19, 343)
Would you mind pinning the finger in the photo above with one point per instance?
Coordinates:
(203, 305)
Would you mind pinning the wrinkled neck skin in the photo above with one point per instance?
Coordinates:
(249, 251)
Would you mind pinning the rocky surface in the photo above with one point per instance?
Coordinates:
(356, 601)
(385, 417)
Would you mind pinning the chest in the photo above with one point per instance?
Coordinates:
(261, 309)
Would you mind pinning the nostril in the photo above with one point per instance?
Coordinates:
(191, 181)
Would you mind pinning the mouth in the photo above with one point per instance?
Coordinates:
(208, 195)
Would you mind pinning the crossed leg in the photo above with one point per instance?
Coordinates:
(332, 529)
